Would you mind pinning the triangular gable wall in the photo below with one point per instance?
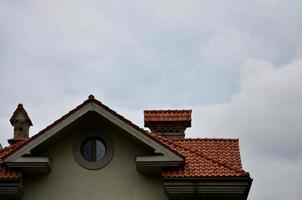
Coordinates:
(168, 155)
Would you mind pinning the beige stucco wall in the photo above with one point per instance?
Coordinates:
(118, 180)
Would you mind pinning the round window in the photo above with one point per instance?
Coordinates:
(92, 150)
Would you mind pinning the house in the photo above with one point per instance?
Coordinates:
(92, 152)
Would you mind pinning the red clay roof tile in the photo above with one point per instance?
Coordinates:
(206, 158)
(5, 173)
(167, 115)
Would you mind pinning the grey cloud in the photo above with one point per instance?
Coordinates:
(159, 54)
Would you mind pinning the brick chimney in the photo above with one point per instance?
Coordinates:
(169, 123)
(21, 123)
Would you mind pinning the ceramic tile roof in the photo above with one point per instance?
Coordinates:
(203, 157)
(167, 115)
(5, 173)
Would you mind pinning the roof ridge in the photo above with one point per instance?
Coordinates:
(197, 152)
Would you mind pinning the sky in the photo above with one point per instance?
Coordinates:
(236, 64)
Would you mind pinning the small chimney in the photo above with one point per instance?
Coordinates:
(169, 123)
(21, 123)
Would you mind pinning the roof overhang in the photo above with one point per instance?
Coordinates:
(236, 188)
(10, 189)
(154, 164)
(163, 155)
(32, 165)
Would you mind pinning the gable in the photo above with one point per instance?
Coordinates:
(69, 180)
(164, 154)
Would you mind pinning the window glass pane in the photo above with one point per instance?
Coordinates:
(87, 150)
(100, 150)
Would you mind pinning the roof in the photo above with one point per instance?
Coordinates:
(203, 157)
(206, 158)
(5, 173)
(20, 109)
(167, 115)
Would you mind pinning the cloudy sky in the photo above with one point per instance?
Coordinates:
(237, 64)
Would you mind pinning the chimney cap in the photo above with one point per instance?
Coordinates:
(20, 109)
(168, 123)
(167, 115)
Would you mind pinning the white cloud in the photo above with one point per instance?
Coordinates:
(266, 116)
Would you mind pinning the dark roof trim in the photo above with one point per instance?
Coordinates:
(217, 188)
(10, 190)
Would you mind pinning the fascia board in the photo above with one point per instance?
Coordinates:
(32, 164)
(159, 161)
(11, 190)
(182, 189)
(33, 160)
(158, 158)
